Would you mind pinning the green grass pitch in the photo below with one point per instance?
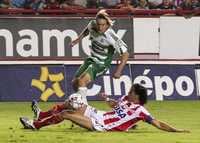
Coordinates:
(182, 114)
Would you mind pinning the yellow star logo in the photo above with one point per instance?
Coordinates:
(46, 91)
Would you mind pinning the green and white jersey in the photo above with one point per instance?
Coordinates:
(104, 45)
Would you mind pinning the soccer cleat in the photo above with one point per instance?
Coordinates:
(28, 124)
(36, 110)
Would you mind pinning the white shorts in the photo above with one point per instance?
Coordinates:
(96, 117)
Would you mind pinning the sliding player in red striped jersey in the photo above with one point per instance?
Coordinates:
(126, 112)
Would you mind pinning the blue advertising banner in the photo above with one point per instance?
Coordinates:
(28, 82)
(53, 82)
(167, 82)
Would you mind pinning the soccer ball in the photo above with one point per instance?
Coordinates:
(76, 101)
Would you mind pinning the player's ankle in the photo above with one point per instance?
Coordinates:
(36, 125)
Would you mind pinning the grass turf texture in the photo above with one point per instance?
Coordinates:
(182, 114)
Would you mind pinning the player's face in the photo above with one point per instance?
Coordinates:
(132, 97)
(102, 25)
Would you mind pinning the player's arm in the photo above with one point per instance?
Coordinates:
(121, 65)
(111, 102)
(83, 34)
(166, 127)
(121, 48)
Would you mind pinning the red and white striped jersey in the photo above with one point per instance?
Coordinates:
(125, 115)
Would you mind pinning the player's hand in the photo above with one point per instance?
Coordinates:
(186, 131)
(72, 43)
(183, 131)
(103, 95)
(117, 75)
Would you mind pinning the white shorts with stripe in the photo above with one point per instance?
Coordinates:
(96, 117)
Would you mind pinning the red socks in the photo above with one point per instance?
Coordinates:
(54, 119)
(56, 109)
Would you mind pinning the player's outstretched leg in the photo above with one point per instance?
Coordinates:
(36, 124)
(39, 114)
(54, 119)
(76, 116)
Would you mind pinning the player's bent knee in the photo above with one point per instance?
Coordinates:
(66, 104)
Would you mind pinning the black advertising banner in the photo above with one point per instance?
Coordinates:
(49, 37)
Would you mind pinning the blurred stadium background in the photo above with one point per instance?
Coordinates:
(163, 39)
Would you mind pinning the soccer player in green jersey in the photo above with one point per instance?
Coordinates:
(105, 43)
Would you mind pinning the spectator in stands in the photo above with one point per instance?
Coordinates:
(196, 4)
(20, 3)
(74, 4)
(80, 3)
(52, 4)
(127, 4)
(177, 2)
(189, 5)
(92, 3)
(4, 3)
(38, 4)
(97, 4)
(155, 2)
(109, 3)
(166, 4)
(66, 3)
(144, 4)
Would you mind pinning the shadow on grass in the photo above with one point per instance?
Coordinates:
(80, 130)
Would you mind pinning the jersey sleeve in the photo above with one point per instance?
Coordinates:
(122, 99)
(145, 116)
(87, 29)
(116, 42)
(91, 25)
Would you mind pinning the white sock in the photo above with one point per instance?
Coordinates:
(83, 92)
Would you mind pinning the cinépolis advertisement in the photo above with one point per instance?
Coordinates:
(53, 82)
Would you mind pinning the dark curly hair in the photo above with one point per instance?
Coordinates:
(141, 91)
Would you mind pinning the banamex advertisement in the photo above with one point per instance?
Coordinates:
(50, 37)
(53, 82)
